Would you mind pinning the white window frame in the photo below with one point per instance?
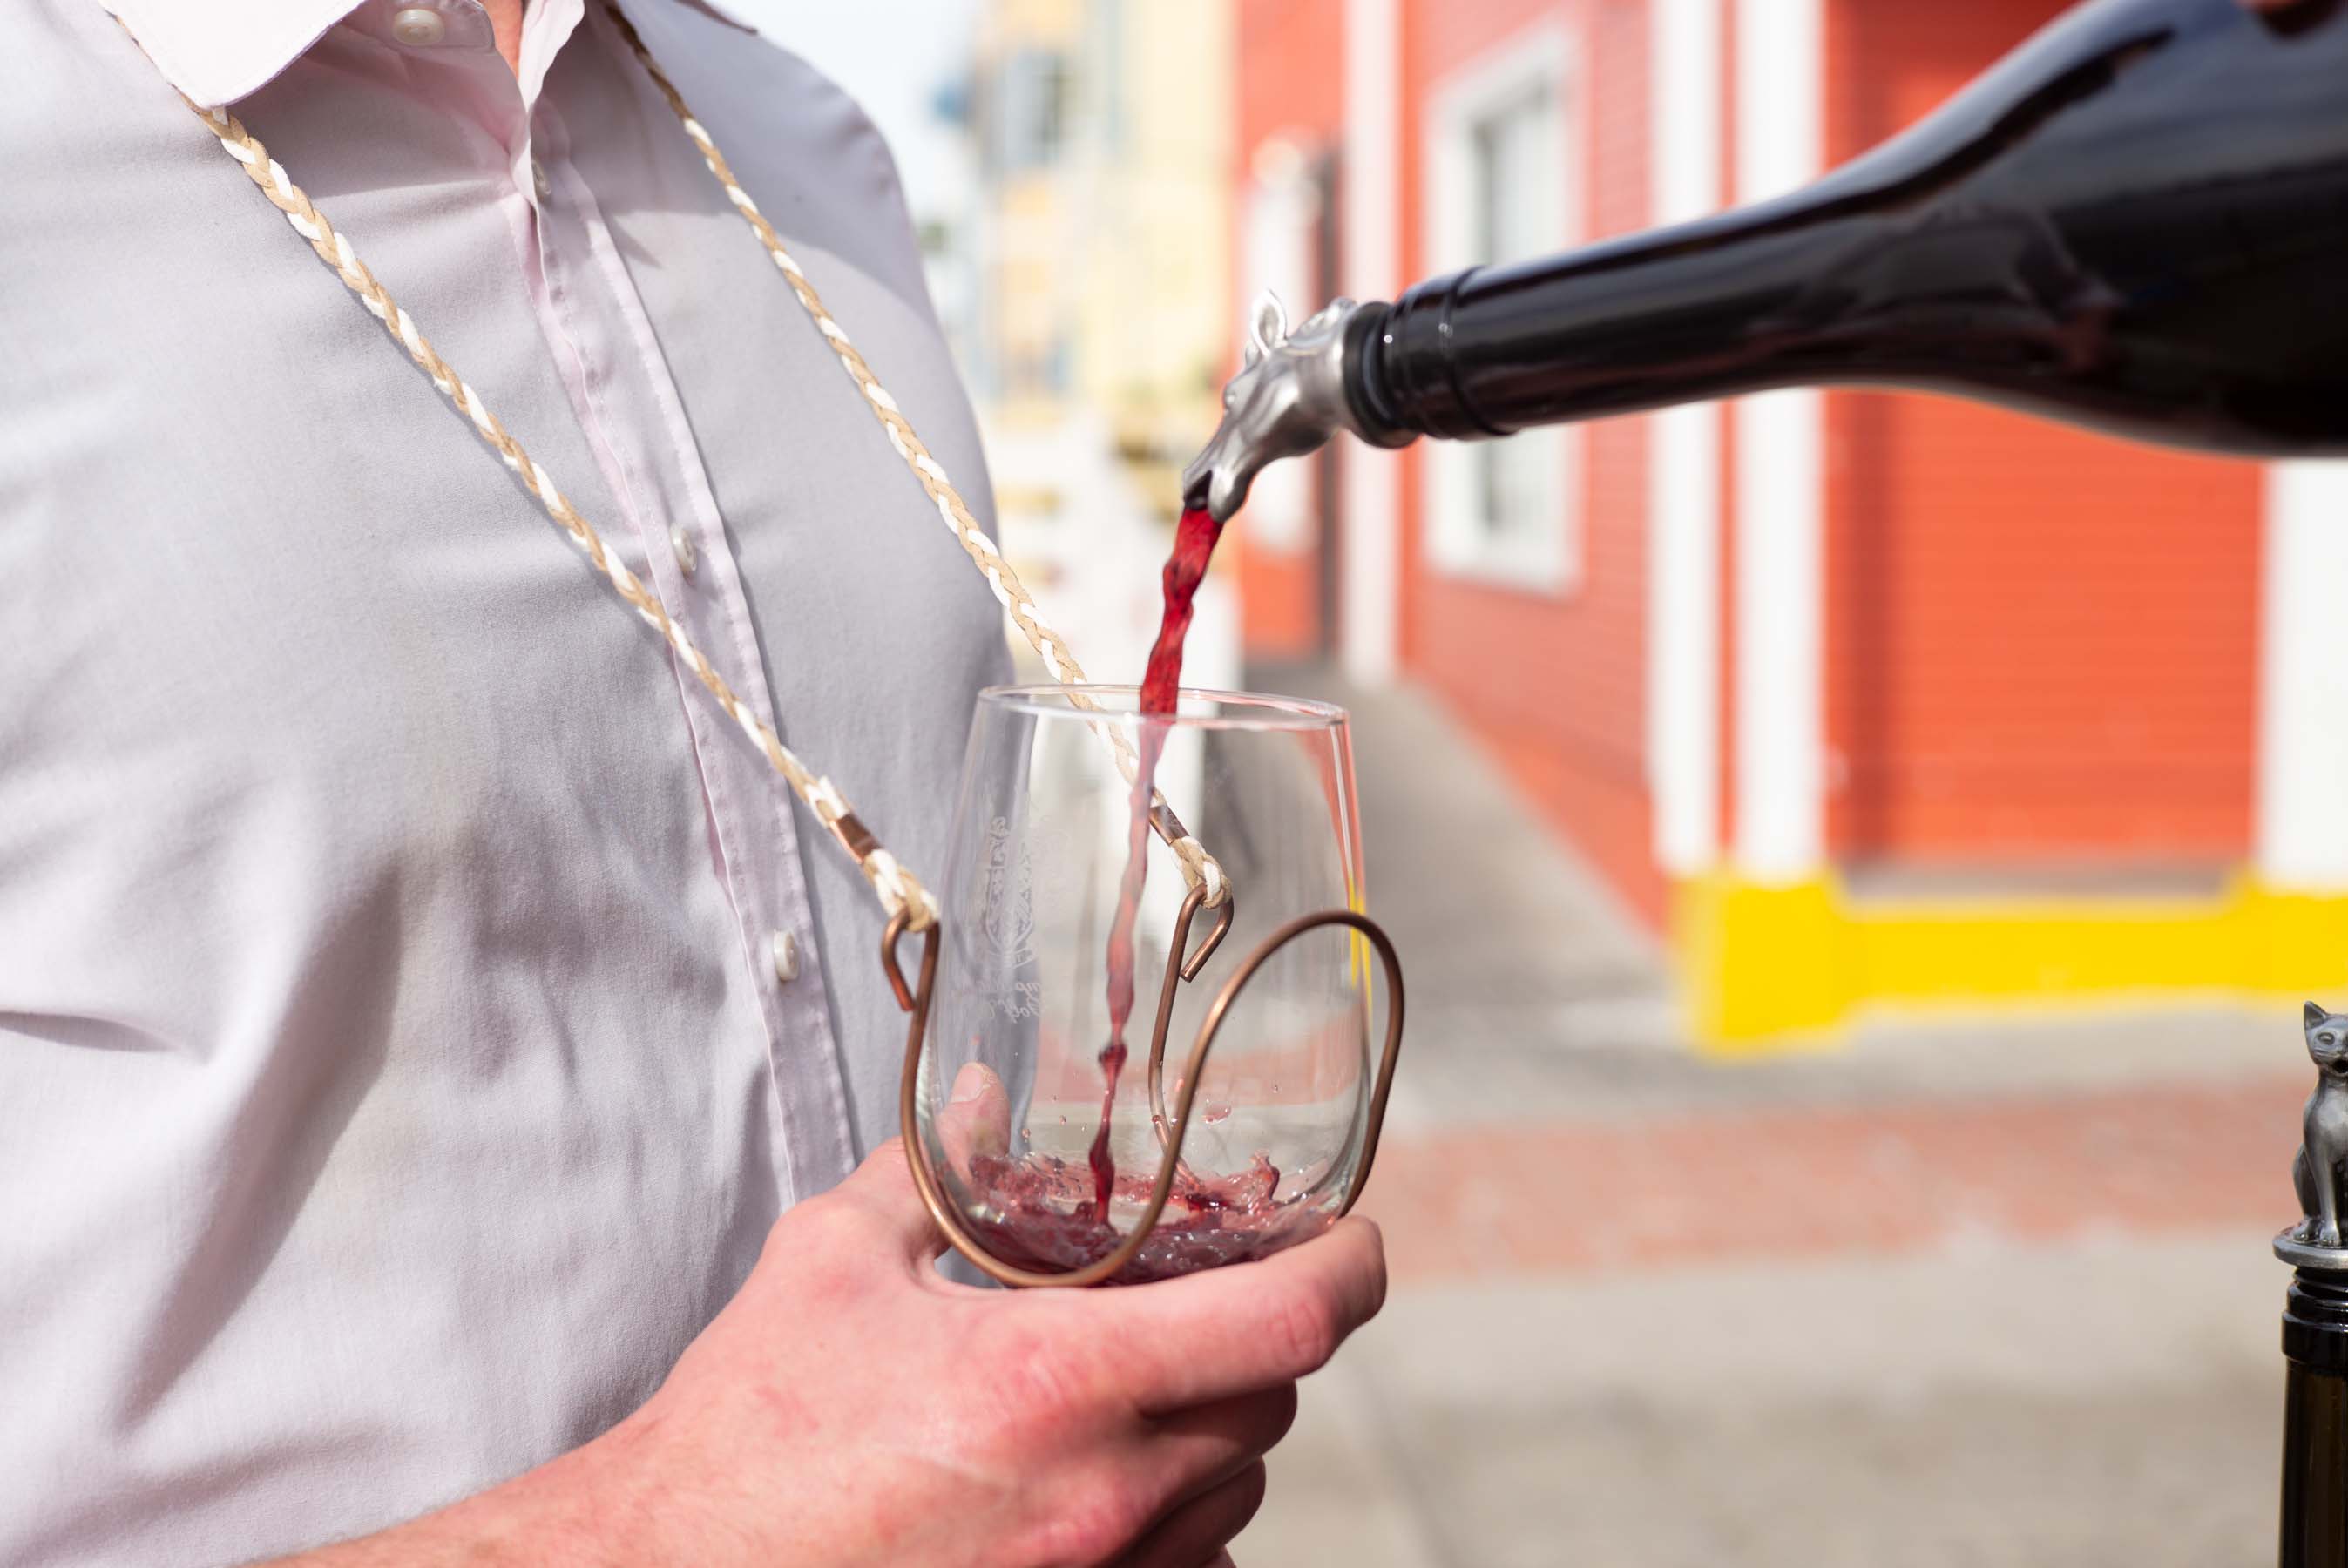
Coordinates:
(1280, 210)
(1540, 57)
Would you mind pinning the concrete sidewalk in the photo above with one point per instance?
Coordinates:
(1966, 1293)
(2072, 1407)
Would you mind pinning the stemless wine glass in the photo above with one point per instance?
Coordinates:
(1248, 1048)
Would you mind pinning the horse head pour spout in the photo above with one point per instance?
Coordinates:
(1287, 399)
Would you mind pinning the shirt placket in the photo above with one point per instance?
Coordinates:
(630, 409)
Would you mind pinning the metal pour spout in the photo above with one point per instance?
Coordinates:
(1289, 397)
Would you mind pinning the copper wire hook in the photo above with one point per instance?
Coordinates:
(1189, 970)
(916, 999)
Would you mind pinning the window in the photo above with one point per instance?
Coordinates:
(1279, 218)
(1503, 186)
(1107, 70)
(1030, 109)
(1513, 149)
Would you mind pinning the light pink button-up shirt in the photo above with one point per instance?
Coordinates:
(396, 1066)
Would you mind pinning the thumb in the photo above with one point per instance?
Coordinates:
(976, 1119)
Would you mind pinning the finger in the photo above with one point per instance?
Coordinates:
(1197, 1532)
(880, 1195)
(1229, 1331)
(976, 1119)
(1208, 1444)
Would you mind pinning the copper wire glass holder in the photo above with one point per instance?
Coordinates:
(1179, 970)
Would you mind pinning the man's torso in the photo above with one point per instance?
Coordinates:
(395, 1072)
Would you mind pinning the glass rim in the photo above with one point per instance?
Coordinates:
(1258, 710)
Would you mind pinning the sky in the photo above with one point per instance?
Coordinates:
(890, 55)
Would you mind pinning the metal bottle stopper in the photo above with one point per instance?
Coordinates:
(1287, 399)
(2314, 1532)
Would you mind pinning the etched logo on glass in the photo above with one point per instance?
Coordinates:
(1002, 910)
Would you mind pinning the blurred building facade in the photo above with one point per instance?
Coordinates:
(1104, 131)
(1862, 697)
(1099, 245)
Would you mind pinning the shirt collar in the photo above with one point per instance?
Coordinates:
(218, 51)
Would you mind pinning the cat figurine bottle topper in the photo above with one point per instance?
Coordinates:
(2321, 1171)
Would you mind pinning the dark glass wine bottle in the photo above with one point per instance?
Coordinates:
(2315, 1421)
(2138, 220)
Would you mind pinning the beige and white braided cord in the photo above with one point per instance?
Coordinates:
(897, 888)
(1199, 868)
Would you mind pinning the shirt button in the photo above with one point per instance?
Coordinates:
(786, 958)
(538, 181)
(682, 543)
(419, 25)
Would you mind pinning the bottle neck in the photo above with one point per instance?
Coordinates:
(1727, 305)
(2034, 242)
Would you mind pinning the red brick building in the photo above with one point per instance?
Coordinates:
(1866, 698)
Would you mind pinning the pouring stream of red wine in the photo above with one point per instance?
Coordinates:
(1194, 546)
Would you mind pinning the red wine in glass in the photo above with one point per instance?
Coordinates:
(1045, 1212)
(1194, 546)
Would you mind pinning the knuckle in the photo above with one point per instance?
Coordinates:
(1377, 1269)
(1248, 1489)
(1041, 1382)
(1279, 1416)
(1304, 1330)
(830, 1249)
(833, 1226)
(883, 1183)
(1094, 1522)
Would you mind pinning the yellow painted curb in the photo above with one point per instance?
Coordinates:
(1777, 967)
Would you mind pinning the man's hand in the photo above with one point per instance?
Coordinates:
(851, 1406)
